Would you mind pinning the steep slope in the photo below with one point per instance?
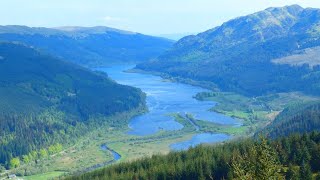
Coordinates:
(301, 118)
(44, 100)
(244, 54)
(89, 46)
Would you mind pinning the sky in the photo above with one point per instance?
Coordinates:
(154, 17)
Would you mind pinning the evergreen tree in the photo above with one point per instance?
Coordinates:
(260, 163)
(292, 173)
(305, 171)
(315, 159)
(267, 165)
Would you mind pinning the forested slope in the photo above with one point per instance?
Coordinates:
(294, 157)
(274, 50)
(44, 100)
(300, 118)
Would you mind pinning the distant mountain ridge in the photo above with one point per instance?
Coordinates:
(88, 46)
(175, 36)
(258, 27)
(92, 30)
(64, 30)
(244, 54)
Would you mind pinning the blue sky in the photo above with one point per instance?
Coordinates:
(145, 16)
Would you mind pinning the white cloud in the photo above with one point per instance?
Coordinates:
(112, 19)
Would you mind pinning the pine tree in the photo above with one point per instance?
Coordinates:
(292, 173)
(305, 171)
(260, 163)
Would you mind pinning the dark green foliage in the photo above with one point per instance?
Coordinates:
(298, 118)
(44, 100)
(260, 162)
(277, 159)
(305, 171)
(94, 46)
(292, 173)
(238, 55)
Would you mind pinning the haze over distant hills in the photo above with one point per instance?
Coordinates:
(89, 46)
(175, 36)
(275, 50)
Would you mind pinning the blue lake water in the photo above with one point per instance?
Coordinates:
(164, 98)
(198, 139)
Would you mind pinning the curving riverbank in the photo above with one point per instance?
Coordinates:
(116, 157)
(166, 97)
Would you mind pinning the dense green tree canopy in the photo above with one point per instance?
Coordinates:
(45, 100)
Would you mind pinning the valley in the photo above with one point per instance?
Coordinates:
(178, 116)
(157, 131)
(239, 101)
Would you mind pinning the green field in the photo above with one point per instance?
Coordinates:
(48, 175)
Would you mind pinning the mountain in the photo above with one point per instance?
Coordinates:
(300, 118)
(45, 100)
(88, 46)
(274, 50)
(175, 36)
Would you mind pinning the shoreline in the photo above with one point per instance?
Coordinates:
(210, 86)
(167, 77)
(103, 147)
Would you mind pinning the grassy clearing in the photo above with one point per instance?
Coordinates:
(48, 175)
(87, 152)
(145, 147)
(187, 126)
(207, 126)
(84, 154)
(255, 112)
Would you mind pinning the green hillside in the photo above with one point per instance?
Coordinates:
(270, 51)
(44, 100)
(299, 118)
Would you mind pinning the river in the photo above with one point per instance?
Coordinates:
(164, 98)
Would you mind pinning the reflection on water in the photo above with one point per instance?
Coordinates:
(164, 98)
(198, 139)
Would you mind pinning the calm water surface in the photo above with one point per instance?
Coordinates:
(198, 139)
(164, 98)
